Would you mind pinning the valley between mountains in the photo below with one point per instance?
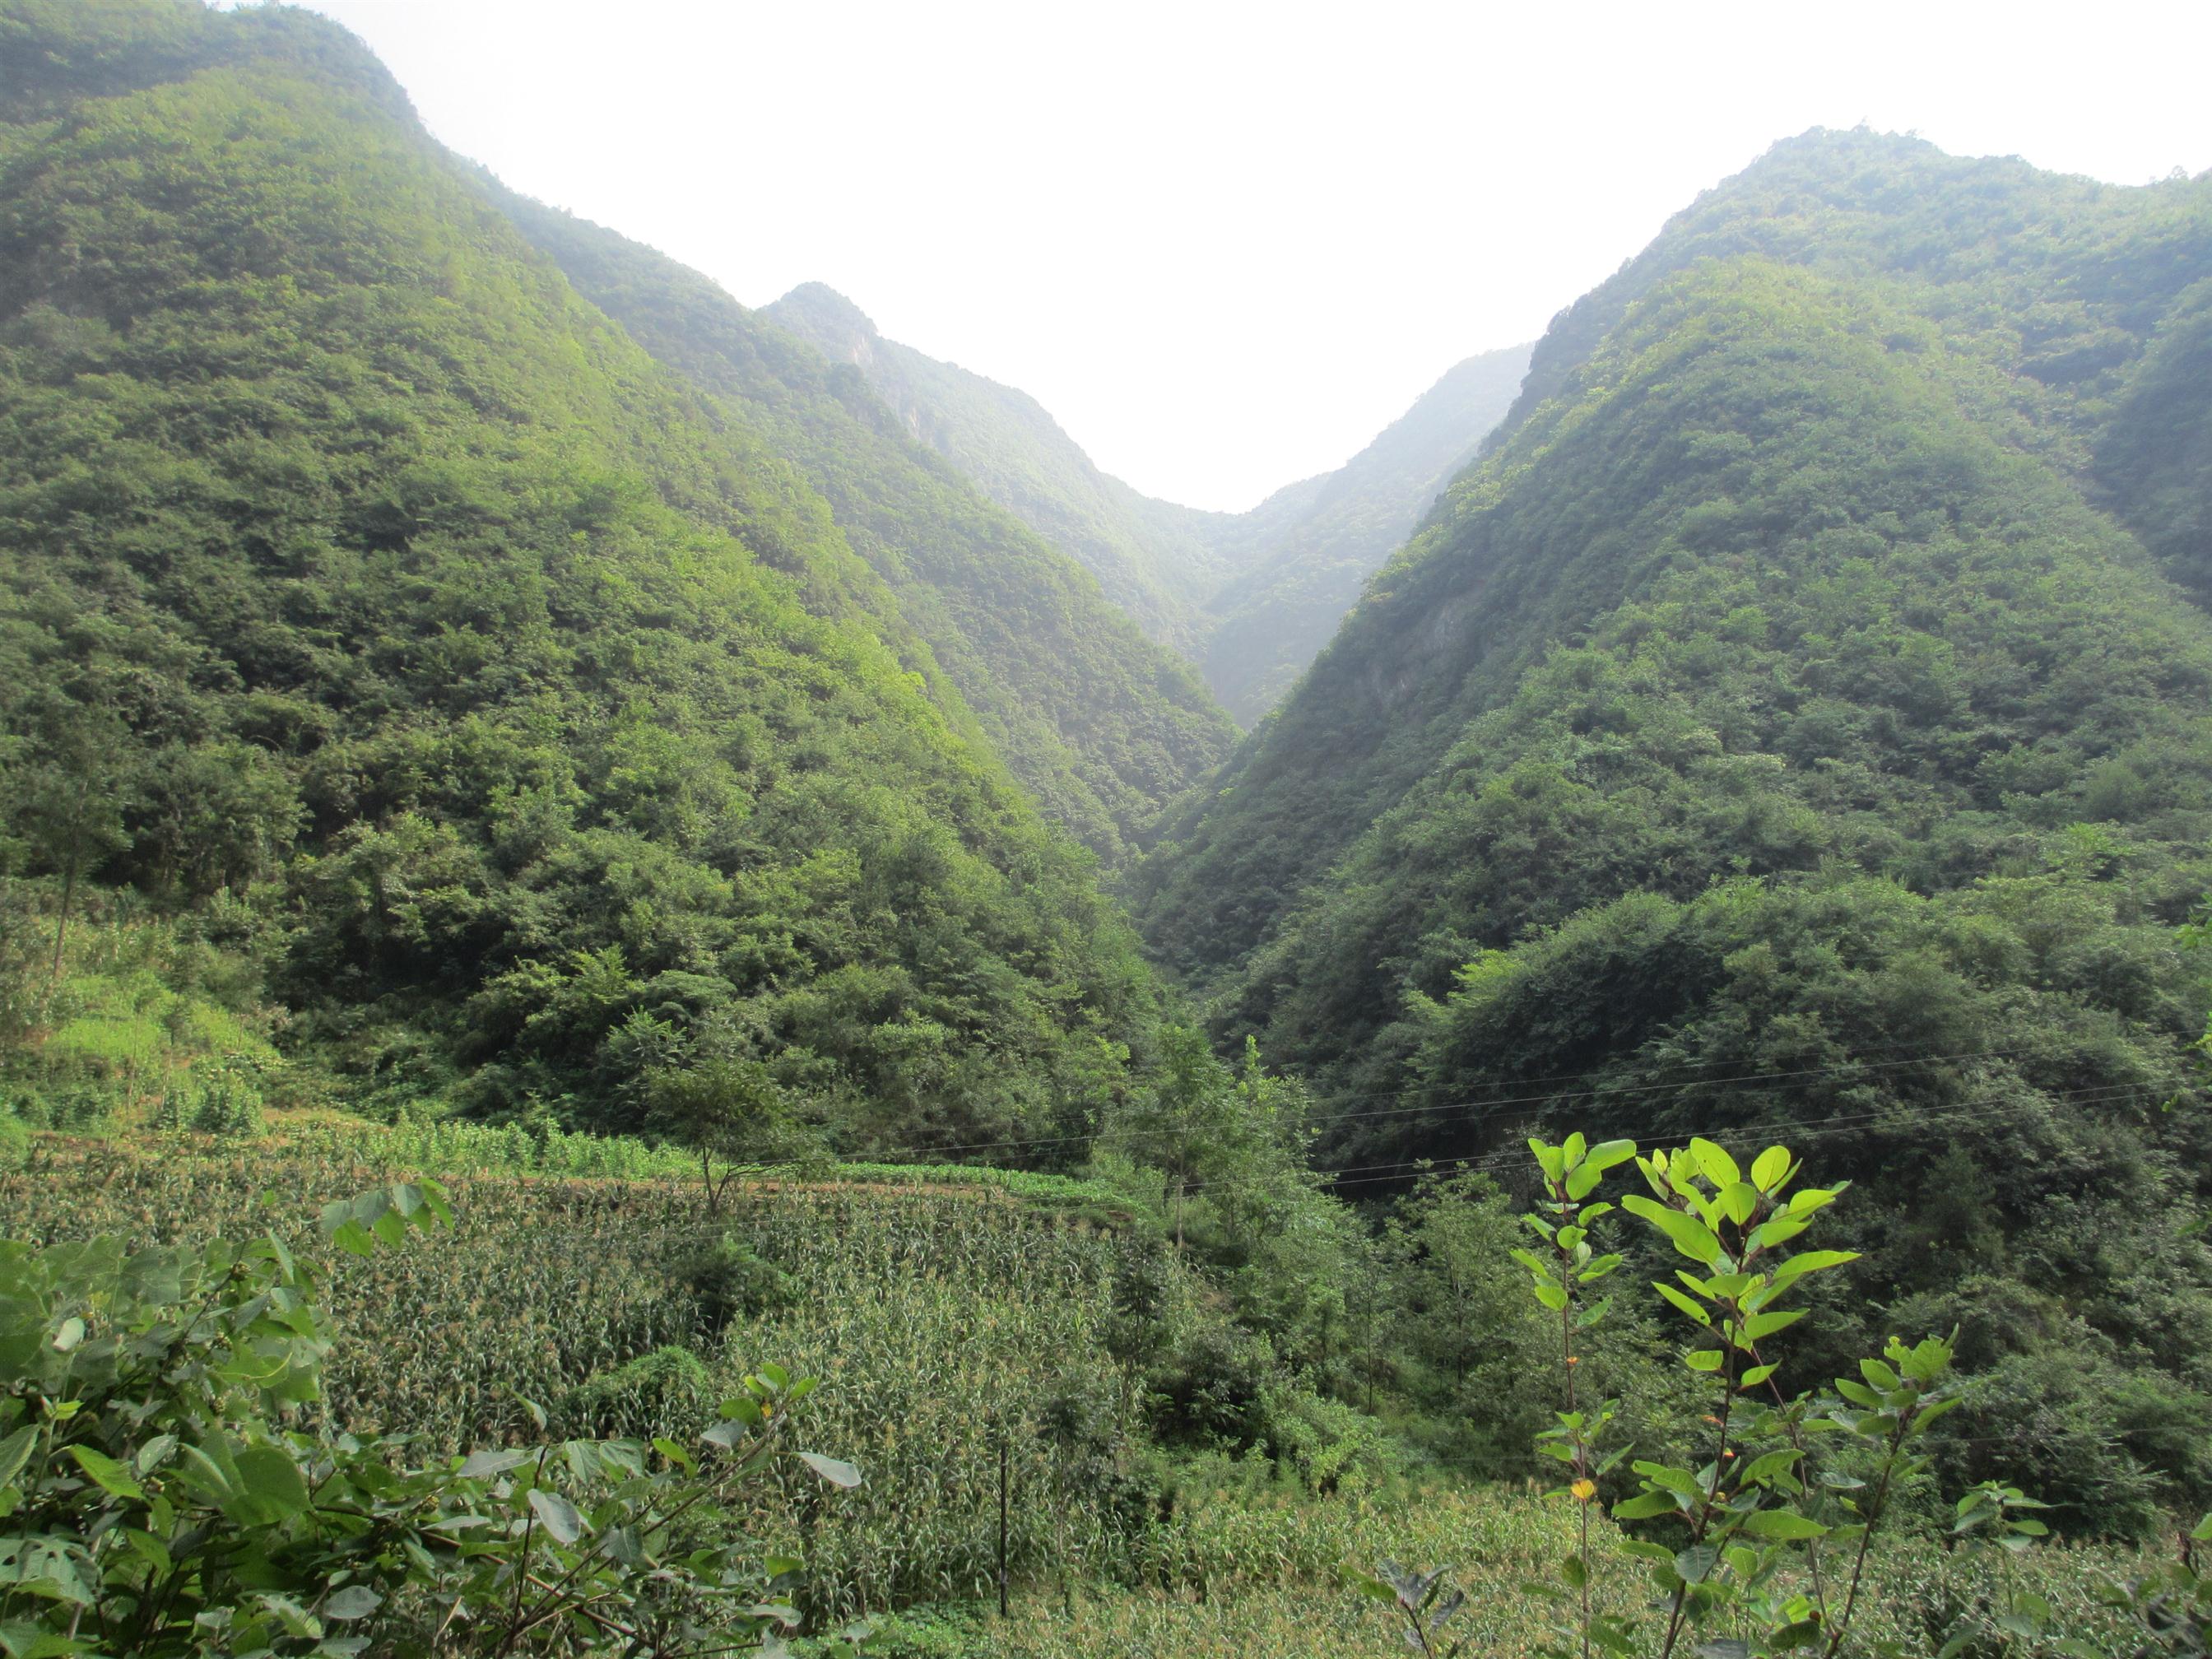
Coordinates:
(582, 862)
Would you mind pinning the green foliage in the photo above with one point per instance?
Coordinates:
(1237, 1573)
(2171, 1602)
(163, 1499)
(1454, 1334)
(668, 1385)
(1770, 1538)
(1424, 1600)
(153, 1019)
(941, 1318)
(515, 706)
(1784, 722)
(733, 1283)
(1101, 725)
(225, 1100)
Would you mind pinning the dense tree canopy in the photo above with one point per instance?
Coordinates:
(1101, 725)
(1786, 724)
(517, 705)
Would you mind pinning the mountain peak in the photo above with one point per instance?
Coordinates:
(819, 314)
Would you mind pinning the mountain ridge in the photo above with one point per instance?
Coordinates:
(1103, 727)
(1784, 729)
(1248, 596)
(482, 707)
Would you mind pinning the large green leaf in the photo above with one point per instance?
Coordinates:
(1689, 1234)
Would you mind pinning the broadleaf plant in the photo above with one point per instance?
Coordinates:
(165, 1488)
(1756, 1538)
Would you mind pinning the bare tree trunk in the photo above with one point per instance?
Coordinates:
(61, 927)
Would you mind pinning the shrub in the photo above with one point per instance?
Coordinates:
(645, 1397)
(1761, 1536)
(165, 1497)
(733, 1283)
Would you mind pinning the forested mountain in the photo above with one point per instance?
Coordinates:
(451, 674)
(1317, 542)
(1249, 597)
(1784, 723)
(1101, 726)
(1153, 559)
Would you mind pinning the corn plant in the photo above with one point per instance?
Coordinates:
(940, 1321)
(2170, 1604)
(162, 1496)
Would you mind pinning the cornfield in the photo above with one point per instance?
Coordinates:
(1240, 1571)
(948, 1326)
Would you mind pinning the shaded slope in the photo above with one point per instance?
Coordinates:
(370, 596)
(1318, 542)
(2049, 287)
(1780, 735)
(1758, 596)
(1249, 597)
(1101, 726)
(2154, 457)
(1151, 558)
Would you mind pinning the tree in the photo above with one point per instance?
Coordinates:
(69, 805)
(1195, 1122)
(721, 1106)
(215, 816)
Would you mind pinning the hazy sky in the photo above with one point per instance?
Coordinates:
(1226, 244)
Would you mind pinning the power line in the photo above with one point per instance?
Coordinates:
(1770, 1131)
(1489, 1107)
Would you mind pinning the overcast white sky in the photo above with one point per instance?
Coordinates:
(1226, 244)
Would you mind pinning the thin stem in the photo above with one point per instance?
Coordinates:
(1567, 1211)
(1866, 1531)
(1702, 1523)
(522, 1567)
(1796, 1433)
(61, 925)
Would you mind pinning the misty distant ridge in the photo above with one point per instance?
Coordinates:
(1250, 598)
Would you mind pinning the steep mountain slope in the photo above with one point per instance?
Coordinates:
(2032, 273)
(2095, 299)
(1101, 726)
(1152, 558)
(1249, 597)
(1318, 542)
(1765, 593)
(372, 604)
(2154, 456)
(1781, 725)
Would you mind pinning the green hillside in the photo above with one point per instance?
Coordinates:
(2081, 262)
(500, 720)
(1250, 598)
(1781, 725)
(568, 1085)
(1151, 558)
(2094, 300)
(1099, 725)
(1318, 542)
